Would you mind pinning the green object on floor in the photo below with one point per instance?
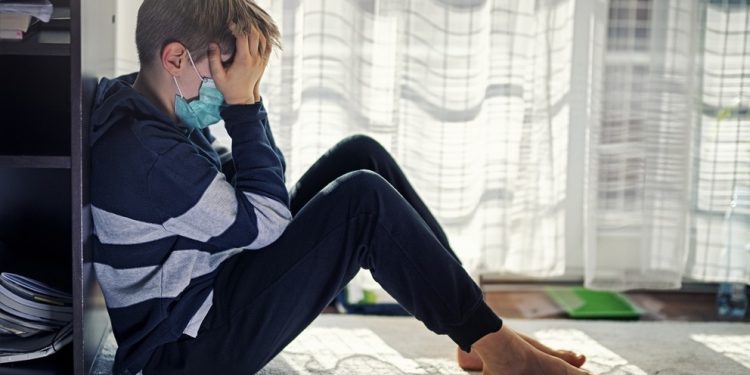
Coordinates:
(582, 303)
(368, 297)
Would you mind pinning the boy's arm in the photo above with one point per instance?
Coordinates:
(276, 149)
(225, 154)
(210, 137)
(202, 205)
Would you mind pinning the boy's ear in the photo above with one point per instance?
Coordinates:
(173, 57)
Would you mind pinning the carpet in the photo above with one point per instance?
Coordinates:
(345, 344)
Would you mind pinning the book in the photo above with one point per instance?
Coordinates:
(22, 326)
(33, 310)
(14, 349)
(33, 287)
(11, 34)
(30, 300)
(60, 19)
(41, 9)
(36, 320)
(18, 22)
(8, 327)
(32, 296)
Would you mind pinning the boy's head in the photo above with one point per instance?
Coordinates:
(196, 23)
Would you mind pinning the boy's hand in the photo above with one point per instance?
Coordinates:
(266, 55)
(239, 83)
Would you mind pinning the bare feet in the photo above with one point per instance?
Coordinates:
(505, 352)
(468, 361)
(472, 362)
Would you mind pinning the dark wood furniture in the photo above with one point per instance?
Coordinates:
(47, 82)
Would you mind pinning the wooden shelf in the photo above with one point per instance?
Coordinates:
(51, 365)
(26, 161)
(39, 43)
(44, 167)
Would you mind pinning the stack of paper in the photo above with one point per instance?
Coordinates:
(16, 16)
(35, 319)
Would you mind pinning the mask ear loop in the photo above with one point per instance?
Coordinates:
(194, 67)
(179, 90)
(192, 63)
(178, 87)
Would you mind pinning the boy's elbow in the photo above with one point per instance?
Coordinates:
(272, 218)
(270, 229)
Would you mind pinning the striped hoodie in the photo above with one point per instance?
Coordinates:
(168, 209)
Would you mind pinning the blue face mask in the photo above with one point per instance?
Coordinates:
(203, 111)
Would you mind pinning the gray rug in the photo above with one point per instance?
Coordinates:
(343, 344)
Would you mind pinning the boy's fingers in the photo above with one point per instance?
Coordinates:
(242, 48)
(254, 40)
(214, 62)
(262, 46)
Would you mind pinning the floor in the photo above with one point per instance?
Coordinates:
(675, 337)
(346, 344)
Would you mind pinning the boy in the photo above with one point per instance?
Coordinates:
(207, 263)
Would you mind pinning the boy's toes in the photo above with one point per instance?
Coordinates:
(569, 369)
(573, 358)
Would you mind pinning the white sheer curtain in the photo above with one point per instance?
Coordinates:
(638, 195)
(552, 137)
(471, 97)
(721, 156)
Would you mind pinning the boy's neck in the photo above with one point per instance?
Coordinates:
(153, 89)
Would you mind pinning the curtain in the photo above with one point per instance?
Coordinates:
(471, 97)
(590, 138)
(721, 143)
(637, 198)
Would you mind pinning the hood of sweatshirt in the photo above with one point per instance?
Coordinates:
(116, 100)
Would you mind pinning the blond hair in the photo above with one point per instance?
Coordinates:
(196, 24)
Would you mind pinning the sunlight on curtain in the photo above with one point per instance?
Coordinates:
(471, 97)
(721, 159)
(586, 138)
(672, 146)
(638, 207)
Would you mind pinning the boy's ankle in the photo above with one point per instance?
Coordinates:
(490, 340)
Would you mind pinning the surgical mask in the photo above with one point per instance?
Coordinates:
(203, 111)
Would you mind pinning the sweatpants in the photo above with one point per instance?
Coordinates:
(353, 209)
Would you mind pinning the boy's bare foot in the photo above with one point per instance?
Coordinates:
(472, 362)
(505, 352)
(468, 361)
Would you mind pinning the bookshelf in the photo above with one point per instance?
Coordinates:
(46, 94)
(39, 43)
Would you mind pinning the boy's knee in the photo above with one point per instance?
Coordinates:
(360, 186)
(363, 181)
(362, 145)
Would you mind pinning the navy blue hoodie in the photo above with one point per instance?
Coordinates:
(167, 212)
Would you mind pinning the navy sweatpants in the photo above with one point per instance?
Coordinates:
(353, 209)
